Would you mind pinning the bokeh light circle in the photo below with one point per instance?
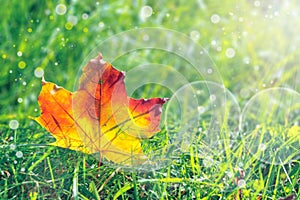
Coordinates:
(271, 125)
(209, 114)
(61, 9)
(13, 124)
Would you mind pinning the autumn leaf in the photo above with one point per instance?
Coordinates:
(99, 116)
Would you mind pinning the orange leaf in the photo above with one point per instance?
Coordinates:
(99, 116)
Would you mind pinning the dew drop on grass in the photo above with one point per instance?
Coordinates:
(15, 162)
(257, 3)
(39, 72)
(21, 64)
(212, 97)
(208, 162)
(246, 60)
(61, 9)
(10, 71)
(14, 124)
(146, 12)
(241, 183)
(201, 109)
(213, 42)
(215, 18)
(24, 83)
(12, 146)
(20, 100)
(229, 174)
(19, 154)
(230, 53)
(145, 37)
(85, 16)
(195, 35)
(68, 26)
(72, 19)
(262, 147)
(47, 12)
(101, 24)
(85, 30)
(19, 53)
(22, 169)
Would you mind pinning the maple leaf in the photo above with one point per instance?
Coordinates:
(99, 116)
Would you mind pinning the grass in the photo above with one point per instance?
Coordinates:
(265, 41)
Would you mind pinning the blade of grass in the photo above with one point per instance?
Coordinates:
(93, 189)
(124, 189)
(135, 193)
(51, 172)
(288, 177)
(75, 183)
(109, 178)
(47, 153)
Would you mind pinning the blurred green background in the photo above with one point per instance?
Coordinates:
(254, 44)
(263, 35)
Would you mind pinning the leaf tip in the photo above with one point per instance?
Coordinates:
(164, 100)
(98, 60)
(32, 118)
(43, 80)
(100, 56)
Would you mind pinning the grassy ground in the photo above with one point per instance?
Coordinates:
(265, 39)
